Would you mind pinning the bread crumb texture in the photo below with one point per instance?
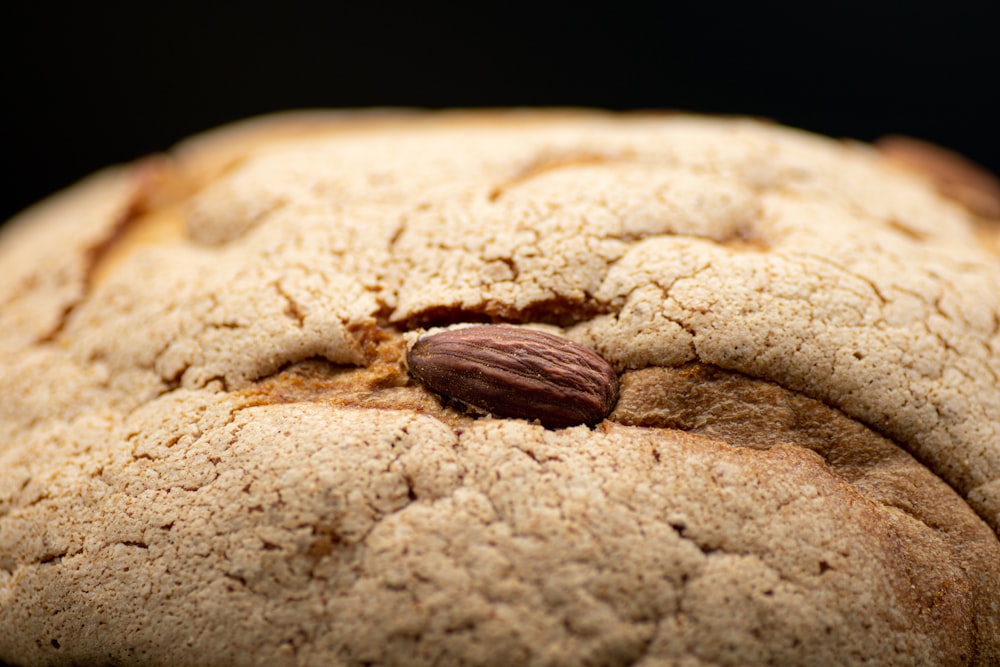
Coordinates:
(213, 454)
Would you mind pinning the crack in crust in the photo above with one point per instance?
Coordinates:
(155, 187)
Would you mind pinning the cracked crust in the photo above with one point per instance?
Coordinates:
(214, 452)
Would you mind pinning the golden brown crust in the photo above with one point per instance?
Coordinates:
(745, 412)
(214, 452)
(953, 174)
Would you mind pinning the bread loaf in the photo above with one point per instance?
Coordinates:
(215, 453)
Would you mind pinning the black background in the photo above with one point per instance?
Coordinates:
(87, 85)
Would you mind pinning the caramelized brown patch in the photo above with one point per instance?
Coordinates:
(744, 240)
(545, 164)
(748, 412)
(954, 175)
(142, 214)
(382, 385)
(907, 231)
(155, 215)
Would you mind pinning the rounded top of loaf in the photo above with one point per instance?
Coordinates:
(207, 403)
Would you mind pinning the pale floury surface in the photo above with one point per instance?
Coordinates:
(213, 454)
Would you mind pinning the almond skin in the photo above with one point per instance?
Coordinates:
(519, 373)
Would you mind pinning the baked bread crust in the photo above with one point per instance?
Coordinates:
(214, 453)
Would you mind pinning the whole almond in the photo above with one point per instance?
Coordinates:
(521, 373)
